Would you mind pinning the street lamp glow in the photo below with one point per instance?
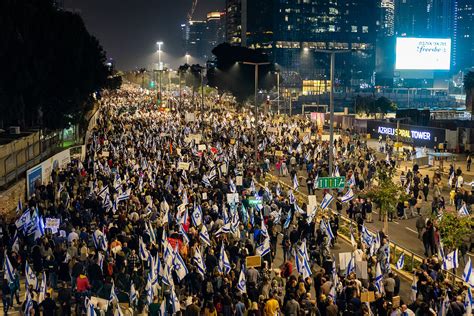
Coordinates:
(306, 49)
(187, 58)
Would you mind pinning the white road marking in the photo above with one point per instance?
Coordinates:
(396, 222)
(375, 212)
(413, 231)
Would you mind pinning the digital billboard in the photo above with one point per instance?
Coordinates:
(423, 53)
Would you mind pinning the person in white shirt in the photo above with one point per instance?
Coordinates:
(72, 236)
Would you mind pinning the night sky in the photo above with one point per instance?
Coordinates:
(129, 29)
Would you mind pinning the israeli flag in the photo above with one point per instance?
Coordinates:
(113, 296)
(278, 190)
(336, 172)
(303, 251)
(242, 285)
(350, 268)
(133, 295)
(42, 291)
(29, 305)
(149, 291)
(366, 236)
(124, 195)
(179, 266)
(184, 234)
(325, 227)
(16, 243)
(150, 232)
(183, 220)
(469, 301)
(467, 274)
(224, 263)
(328, 198)
(175, 301)
(199, 262)
(39, 227)
(451, 261)
(287, 221)
(348, 196)
(204, 236)
(100, 241)
(264, 248)
(232, 187)
(296, 185)
(353, 242)
(299, 209)
(30, 277)
(143, 252)
(379, 278)
(463, 211)
(197, 216)
(316, 183)
(303, 265)
(205, 181)
(235, 222)
(401, 261)
(100, 260)
(252, 187)
(451, 178)
(8, 272)
(414, 288)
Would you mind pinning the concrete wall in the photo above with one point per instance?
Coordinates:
(9, 198)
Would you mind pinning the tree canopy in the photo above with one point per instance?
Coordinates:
(230, 74)
(469, 88)
(372, 106)
(50, 65)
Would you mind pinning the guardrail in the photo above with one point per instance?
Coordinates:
(344, 232)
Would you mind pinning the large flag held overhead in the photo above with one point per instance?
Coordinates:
(9, 273)
(224, 263)
(204, 236)
(328, 198)
(199, 262)
(379, 278)
(451, 261)
(348, 196)
(242, 285)
(468, 275)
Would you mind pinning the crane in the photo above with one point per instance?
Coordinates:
(193, 8)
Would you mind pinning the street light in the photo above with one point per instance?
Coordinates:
(278, 91)
(160, 68)
(256, 65)
(187, 58)
(331, 102)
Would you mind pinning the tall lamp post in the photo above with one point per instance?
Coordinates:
(160, 68)
(331, 102)
(278, 91)
(256, 65)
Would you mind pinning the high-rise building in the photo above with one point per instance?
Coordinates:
(194, 39)
(233, 22)
(463, 46)
(215, 30)
(411, 18)
(387, 18)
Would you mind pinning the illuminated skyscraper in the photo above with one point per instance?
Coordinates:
(463, 46)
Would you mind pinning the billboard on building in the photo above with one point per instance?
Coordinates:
(423, 53)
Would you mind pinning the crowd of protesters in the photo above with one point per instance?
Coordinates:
(169, 208)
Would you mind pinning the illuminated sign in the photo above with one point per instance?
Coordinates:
(414, 134)
(423, 53)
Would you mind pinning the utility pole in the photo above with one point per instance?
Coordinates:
(331, 103)
(256, 65)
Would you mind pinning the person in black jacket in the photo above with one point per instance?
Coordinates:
(48, 306)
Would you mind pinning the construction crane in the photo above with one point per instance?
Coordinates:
(193, 8)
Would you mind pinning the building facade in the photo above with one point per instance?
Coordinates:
(463, 46)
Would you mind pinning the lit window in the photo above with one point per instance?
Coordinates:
(354, 28)
(332, 28)
(286, 18)
(365, 29)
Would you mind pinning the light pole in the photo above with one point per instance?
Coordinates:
(278, 91)
(256, 65)
(160, 68)
(331, 102)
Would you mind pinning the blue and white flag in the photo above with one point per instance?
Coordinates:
(43, 288)
(174, 301)
(179, 266)
(100, 260)
(142, 250)
(264, 248)
(232, 187)
(8, 271)
(291, 197)
(296, 185)
(302, 265)
(348, 196)
(113, 296)
(133, 295)
(353, 241)
(414, 288)
(39, 227)
(16, 242)
(278, 190)
(224, 263)
(287, 221)
(29, 305)
(451, 261)
(125, 195)
(184, 234)
(336, 172)
(328, 198)
(252, 187)
(151, 232)
(316, 182)
(379, 278)
(204, 236)
(350, 268)
(401, 261)
(351, 181)
(30, 277)
(366, 236)
(451, 178)
(468, 275)
(325, 227)
(197, 258)
(242, 285)
(197, 216)
(100, 240)
(469, 301)
(463, 211)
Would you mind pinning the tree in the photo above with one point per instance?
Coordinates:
(454, 229)
(371, 106)
(386, 194)
(50, 65)
(469, 88)
(383, 105)
(229, 74)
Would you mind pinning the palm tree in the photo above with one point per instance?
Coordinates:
(469, 88)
